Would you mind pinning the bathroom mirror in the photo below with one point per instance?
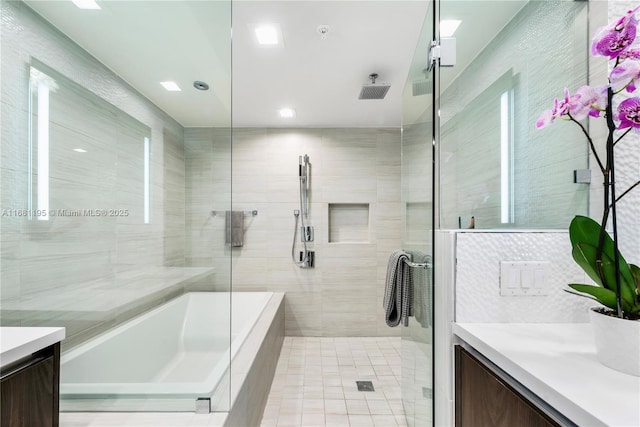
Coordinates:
(505, 172)
(77, 137)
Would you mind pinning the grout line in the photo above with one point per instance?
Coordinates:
(315, 383)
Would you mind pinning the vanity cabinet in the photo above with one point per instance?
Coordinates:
(29, 390)
(485, 400)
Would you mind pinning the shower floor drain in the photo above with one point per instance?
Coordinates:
(365, 386)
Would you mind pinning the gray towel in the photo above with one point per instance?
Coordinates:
(398, 293)
(234, 228)
(423, 290)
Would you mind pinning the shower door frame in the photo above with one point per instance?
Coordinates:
(408, 396)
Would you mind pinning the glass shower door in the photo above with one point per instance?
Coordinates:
(417, 219)
(109, 188)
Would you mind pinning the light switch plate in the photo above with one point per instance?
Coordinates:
(524, 278)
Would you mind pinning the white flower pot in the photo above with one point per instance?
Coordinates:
(617, 342)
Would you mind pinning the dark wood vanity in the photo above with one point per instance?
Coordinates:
(29, 390)
(484, 400)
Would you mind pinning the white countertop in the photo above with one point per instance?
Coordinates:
(558, 363)
(18, 342)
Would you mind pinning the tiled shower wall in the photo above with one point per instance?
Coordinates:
(342, 295)
(80, 272)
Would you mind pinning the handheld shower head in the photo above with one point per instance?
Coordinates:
(303, 165)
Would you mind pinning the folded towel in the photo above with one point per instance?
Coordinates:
(398, 293)
(423, 290)
(234, 228)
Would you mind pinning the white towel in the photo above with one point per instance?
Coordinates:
(398, 295)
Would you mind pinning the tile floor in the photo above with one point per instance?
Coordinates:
(315, 383)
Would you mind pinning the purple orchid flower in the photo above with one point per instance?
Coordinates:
(615, 38)
(631, 53)
(629, 114)
(588, 101)
(560, 108)
(625, 75)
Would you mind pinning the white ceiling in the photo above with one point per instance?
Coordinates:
(322, 79)
(146, 42)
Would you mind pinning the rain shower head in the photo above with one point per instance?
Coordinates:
(374, 90)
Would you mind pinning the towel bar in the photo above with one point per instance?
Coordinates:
(425, 265)
(246, 213)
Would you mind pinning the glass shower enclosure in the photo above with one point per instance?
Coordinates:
(417, 207)
(109, 181)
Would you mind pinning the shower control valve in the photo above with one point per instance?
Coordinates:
(306, 233)
(308, 259)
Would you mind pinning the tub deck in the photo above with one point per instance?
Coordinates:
(165, 359)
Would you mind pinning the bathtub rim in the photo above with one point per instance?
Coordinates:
(111, 392)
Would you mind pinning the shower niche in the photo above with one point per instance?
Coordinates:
(349, 223)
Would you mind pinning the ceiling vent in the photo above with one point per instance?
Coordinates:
(424, 86)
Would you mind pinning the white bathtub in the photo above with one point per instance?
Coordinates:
(164, 359)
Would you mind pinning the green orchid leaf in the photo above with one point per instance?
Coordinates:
(604, 297)
(585, 230)
(585, 256)
(635, 272)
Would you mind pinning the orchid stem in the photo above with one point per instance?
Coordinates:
(612, 183)
(591, 144)
(622, 136)
(628, 189)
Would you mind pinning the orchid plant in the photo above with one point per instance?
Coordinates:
(618, 283)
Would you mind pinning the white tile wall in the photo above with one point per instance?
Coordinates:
(342, 295)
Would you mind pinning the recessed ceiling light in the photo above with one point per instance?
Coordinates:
(448, 27)
(171, 86)
(287, 113)
(200, 85)
(79, 150)
(267, 34)
(86, 4)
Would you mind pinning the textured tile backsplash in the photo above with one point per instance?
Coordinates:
(477, 292)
